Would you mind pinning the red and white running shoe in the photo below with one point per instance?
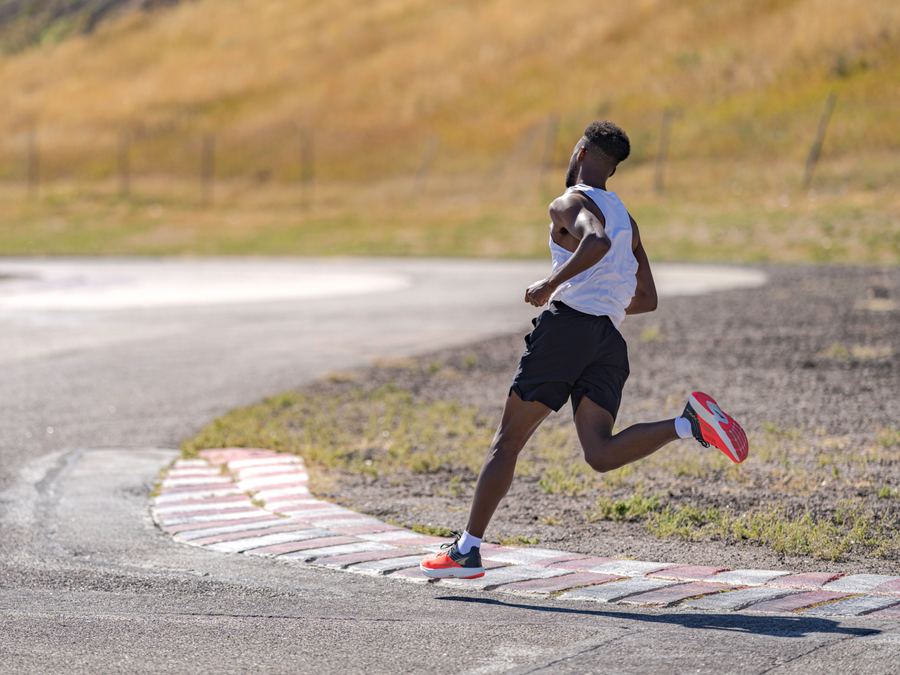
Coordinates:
(452, 564)
(711, 426)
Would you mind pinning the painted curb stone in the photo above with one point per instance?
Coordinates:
(246, 501)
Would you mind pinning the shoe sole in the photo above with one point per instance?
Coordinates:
(715, 419)
(452, 572)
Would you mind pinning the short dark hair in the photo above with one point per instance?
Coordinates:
(609, 139)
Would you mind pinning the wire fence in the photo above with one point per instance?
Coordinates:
(135, 157)
(181, 156)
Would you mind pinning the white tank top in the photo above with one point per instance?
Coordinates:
(606, 288)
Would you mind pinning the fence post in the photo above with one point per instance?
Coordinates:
(33, 160)
(426, 164)
(307, 168)
(124, 161)
(208, 168)
(549, 146)
(663, 152)
(816, 150)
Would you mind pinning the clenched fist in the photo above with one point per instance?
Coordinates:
(539, 292)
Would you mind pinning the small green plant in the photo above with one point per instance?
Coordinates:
(456, 487)
(888, 437)
(519, 541)
(835, 351)
(887, 492)
(652, 334)
(432, 530)
(471, 361)
(433, 367)
(570, 481)
(776, 431)
(635, 507)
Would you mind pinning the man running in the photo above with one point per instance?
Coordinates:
(600, 274)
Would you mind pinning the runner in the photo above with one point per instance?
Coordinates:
(600, 274)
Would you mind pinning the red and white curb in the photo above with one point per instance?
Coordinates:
(257, 502)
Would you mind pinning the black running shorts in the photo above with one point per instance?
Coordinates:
(571, 353)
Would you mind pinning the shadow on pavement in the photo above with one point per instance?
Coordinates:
(779, 626)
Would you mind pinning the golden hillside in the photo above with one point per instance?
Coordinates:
(372, 82)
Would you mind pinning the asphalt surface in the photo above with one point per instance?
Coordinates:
(88, 584)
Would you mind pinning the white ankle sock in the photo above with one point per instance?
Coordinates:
(467, 542)
(683, 427)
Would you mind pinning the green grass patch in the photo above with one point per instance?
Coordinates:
(635, 507)
(850, 528)
(365, 432)
(383, 430)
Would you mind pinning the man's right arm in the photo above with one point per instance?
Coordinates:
(593, 242)
(572, 218)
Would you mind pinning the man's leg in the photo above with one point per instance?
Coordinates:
(520, 420)
(603, 451)
(462, 559)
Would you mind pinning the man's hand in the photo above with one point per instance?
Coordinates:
(539, 292)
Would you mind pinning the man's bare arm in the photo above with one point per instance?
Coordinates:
(645, 299)
(570, 216)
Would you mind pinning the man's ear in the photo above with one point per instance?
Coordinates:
(582, 153)
(613, 172)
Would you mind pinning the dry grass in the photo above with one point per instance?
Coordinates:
(480, 74)
(374, 81)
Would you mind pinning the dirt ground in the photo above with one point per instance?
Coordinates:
(809, 364)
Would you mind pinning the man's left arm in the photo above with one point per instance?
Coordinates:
(645, 299)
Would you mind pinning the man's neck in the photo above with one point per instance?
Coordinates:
(592, 179)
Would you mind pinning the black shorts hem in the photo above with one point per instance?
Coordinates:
(541, 394)
(605, 400)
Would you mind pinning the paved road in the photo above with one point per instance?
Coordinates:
(105, 365)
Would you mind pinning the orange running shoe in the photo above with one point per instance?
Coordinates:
(711, 426)
(452, 564)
